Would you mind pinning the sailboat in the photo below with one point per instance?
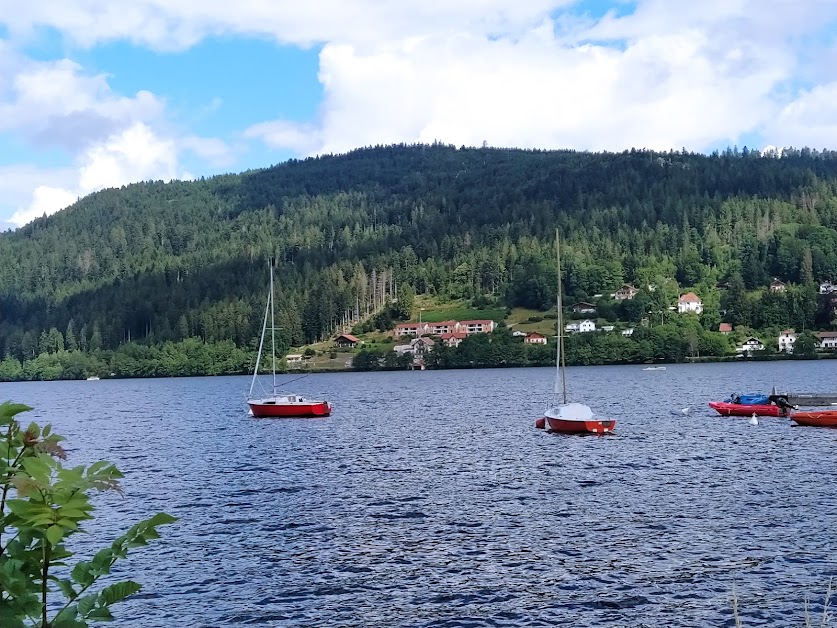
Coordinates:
(566, 417)
(280, 405)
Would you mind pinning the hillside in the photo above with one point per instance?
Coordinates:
(156, 263)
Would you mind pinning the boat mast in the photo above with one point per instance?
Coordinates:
(272, 327)
(261, 346)
(560, 360)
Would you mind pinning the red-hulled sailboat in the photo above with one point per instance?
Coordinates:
(564, 417)
(280, 405)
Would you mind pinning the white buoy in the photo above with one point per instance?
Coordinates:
(685, 410)
(753, 420)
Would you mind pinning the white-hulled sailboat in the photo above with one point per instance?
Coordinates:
(566, 417)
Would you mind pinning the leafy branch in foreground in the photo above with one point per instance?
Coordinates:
(42, 504)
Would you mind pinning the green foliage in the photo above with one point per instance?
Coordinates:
(42, 505)
(152, 266)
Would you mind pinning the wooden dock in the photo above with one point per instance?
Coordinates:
(811, 399)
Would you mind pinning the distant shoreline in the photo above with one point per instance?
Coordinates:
(320, 371)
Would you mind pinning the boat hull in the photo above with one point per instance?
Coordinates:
(579, 426)
(290, 410)
(816, 418)
(725, 408)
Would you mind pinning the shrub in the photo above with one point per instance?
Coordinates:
(42, 505)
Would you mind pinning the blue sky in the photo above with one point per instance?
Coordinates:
(96, 94)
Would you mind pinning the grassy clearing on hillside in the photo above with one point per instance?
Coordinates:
(453, 310)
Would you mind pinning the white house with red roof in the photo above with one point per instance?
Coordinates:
(452, 339)
(826, 340)
(786, 340)
(535, 339)
(689, 303)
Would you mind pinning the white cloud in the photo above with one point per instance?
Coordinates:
(179, 24)
(809, 120)
(134, 154)
(55, 104)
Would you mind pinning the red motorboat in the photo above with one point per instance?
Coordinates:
(286, 406)
(816, 418)
(726, 408)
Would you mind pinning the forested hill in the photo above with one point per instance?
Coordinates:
(156, 262)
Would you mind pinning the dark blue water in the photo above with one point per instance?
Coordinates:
(428, 499)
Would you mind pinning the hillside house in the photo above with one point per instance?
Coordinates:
(725, 328)
(581, 328)
(453, 339)
(418, 347)
(535, 339)
(626, 292)
(293, 360)
(689, 303)
(786, 340)
(826, 287)
(628, 332)
(445, 327)
(750, 345)
(826, 340)
(346, 340)
(777, 286)
(584, 308)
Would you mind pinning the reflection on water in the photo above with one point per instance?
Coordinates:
(428, 499)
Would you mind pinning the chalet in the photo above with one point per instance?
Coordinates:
(417, 347)
(453, 338)
(689, 303)
(346, 340)
(584, 308)
(293, 360)
(777, 286)
(626, 292)
(786, 340)
(725, 328)
(826, 340)
(750, 345)
(535, 339)
(826, 287)
(581, 328)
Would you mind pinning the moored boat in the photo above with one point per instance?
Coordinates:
(726, 408)
(565, 417)
(815, 418)
(280, 406)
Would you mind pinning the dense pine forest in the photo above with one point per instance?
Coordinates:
(170, 278)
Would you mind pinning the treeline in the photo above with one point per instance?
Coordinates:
(153, 263)
(188, 357)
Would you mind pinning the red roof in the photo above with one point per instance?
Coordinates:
(788, 331)
(724, 327)
(689, 297)
(348, 337)
(535, 334)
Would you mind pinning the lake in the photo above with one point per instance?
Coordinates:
(429, 499)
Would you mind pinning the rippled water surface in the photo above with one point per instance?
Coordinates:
(428, 499)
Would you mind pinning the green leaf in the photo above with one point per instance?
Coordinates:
(87, 604)
(9, 409)
(82, 575)
(34, 430)
(38, 467)
(161, 518)
(54, 534)
(67, 589)
(100, 613)
(119, 591)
